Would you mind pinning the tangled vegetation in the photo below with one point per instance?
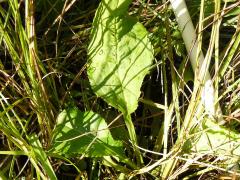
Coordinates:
(121, 89)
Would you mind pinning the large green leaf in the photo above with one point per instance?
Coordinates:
(215, 140)
(120, 55)
(84, 133)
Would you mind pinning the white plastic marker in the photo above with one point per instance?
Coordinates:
(190, 39)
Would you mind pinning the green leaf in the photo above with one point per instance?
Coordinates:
(84, 133)
(216, 140)
(120, 55)
(234, 12)
(41, 156)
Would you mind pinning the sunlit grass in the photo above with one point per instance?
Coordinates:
(43, 56)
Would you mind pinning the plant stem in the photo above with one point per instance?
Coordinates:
(204, 93)
(198, 62)
(133, 137)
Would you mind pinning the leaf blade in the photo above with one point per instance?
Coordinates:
(84, 133)
(42, 156)
(120, 56)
